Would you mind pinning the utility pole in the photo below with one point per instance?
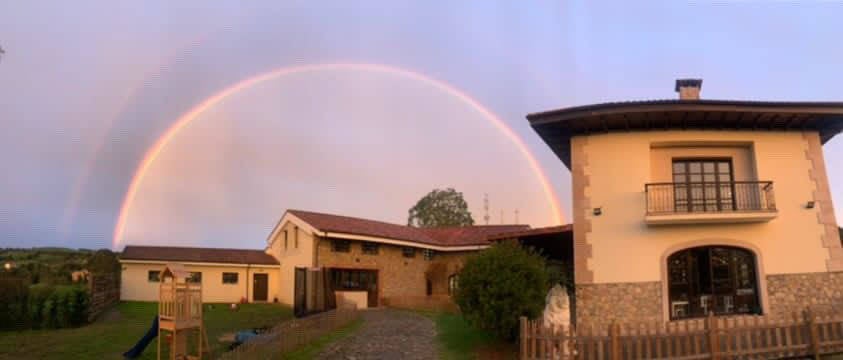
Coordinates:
(486, 208)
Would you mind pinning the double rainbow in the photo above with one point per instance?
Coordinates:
(155, 150)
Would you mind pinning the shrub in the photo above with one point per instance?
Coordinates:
(38, 295)
(57, 306)
(499, 285)
(13, 294)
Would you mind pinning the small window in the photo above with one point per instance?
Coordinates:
(340, 245)
(370, 248)
(453, 284)
(195, 277)
(285, 239)
(154, 276)
(408, 252)
(229, 278)
(428, 254)
(296, 237)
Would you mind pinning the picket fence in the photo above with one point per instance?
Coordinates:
(741, 337)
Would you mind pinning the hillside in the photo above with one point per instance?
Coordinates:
(49, 265)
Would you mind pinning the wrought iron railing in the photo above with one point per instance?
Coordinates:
(705, 197)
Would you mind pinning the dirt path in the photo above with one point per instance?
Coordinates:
(387, 334)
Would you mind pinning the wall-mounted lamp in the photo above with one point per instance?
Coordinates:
(597, 211)
(810, 204)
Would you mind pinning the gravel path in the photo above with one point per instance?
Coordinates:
(387, 334)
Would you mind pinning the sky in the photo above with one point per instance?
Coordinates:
(356, 108)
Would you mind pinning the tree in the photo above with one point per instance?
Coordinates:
(103, 262)
(440, 208)
(501, 284)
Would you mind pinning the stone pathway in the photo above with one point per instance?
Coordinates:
(387, 334)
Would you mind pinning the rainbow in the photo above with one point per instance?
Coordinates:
(72, 205)
(155, 150)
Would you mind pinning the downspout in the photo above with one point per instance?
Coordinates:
(247, 281)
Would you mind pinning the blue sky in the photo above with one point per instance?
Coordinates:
(87, 87)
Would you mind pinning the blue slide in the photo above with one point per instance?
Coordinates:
(137, 350)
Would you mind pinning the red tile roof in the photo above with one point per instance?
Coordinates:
(533, 232)
(195, 254)
(446, 236)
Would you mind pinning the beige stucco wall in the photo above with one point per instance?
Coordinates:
(135, 284)
(624, 249)
(290, 257)
(662, 155)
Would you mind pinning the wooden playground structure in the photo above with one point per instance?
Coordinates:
(180, 315)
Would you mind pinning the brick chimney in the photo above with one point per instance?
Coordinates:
(688, 89)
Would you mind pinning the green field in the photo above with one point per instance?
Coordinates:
(119, 330)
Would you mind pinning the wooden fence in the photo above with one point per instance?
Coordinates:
(742, 337)
(292, 334)
(104, 290)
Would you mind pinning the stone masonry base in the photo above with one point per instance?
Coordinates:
(789, 293)
(600, 304)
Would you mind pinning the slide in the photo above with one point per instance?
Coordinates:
(137, 350)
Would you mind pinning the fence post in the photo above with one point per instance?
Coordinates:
(813, 332)
(713, 336)
(615, 342)
(523, 326)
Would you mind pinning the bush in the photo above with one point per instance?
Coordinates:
(38, 295)
(13, 295)
(51, 307)
(499, 285)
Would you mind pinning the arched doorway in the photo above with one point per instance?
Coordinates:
(718, 279)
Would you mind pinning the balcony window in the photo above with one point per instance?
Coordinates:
(703, 185)
(704, 191)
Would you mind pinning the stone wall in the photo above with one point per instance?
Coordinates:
(600, 304)
(398, 276)
(789, 293)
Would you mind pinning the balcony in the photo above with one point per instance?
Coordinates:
(710, 203)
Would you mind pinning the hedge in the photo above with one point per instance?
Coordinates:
(13, 296)
(42, 306)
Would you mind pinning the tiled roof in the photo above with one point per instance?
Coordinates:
(195, 254)
(533, 232)
(557, 127)
(446, 236)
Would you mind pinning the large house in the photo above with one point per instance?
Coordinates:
(686, 207)
(371, 262)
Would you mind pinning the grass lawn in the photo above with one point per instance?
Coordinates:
(458, 340)
(120, 330)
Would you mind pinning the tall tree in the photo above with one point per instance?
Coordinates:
(440, 208)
